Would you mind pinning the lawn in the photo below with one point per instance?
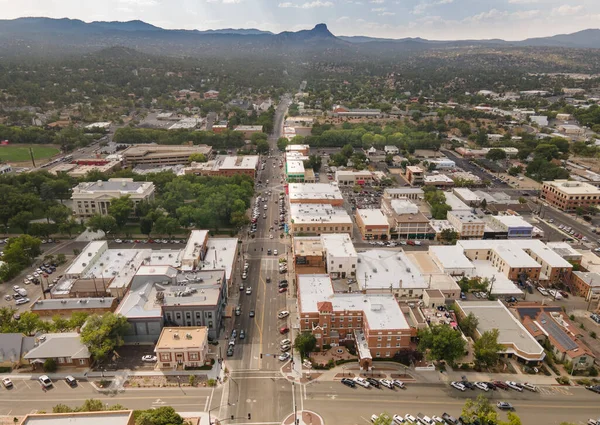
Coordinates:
(20, 153)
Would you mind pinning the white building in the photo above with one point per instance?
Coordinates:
(315, 193)
(403, 193)
(391, 150)
(466, 195)
(340, 255)
(451, 259)
(443, 164)
(455, 203)
(540, 120)
(514, 225)
(316, 219)
(468, 225)
(92, 198)
(194, 250)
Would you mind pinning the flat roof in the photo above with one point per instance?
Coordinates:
(404, 191)
(590, 261)
(338, 245)
(90, 251)
(308, 246)
(242, 162)
(571, 187)
(512, 221)
(248, 128)
(289, 148)
(502, 284)
(563, 249)
(318, 213)
(294, 167)
(414, 169)
(440, 225)
(115, 417)
(509, 251)
(378, 268)
(381, 311)
(494, 315)
(372, 217)
(404, 206)
(547, 254)
(161, 150)
(467, 194)
(194, 245)
(182, 337)
(451, 257)
(220, 254)
(122, 186)
(437, 178)
(72, 303)
(590, 278)
(455, 203)
(466, 216)
(314, 191)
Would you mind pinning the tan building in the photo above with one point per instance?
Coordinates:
(405, 219)
(372, 224)
(351, 178)
(414, 175)
(157, 155)
(92, 198)
(467, 224)
(301, 149)
(316, 219)
(375, 323)
(585, 284)
(308, 254)
(315, 193)
(182, 347)
(66, 307)
(65, 348)
(225, 166)
(113, 417)
(248, 130)
(567, 195)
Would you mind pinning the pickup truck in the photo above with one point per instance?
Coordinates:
(449, 418)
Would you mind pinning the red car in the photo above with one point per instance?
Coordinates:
(282, 290)
(284, 330)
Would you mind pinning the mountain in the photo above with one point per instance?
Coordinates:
(589, 38)
(240, 31)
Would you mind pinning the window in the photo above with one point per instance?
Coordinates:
(210, 324)
(378, 354)
(198, 315)
(178, 315)
(340, 266)
(61, 359)
(378, 345)
(81, 361)
(209, 315)
(188, 315)
(193, 356)
(378, 338)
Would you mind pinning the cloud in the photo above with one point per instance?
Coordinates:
(387, 14)
(377, 1)
(445, 2)
(225, 1)
(525, 14)
(342, 19)
(523, 1)
(420, 8)
(140, 2)
(378, 9)
(566, 10)
(307, 5)
(486, 16)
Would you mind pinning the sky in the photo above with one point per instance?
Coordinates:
(431, 19)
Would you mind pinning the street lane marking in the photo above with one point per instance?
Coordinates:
(62, 399)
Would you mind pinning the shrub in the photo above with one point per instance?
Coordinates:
(593, 334)
(326, 347)
(192, 380)
(50, 365)
(5, 369)
(211, 383)
(592, 371)
(572, 316)
(563, 380)
(342, 361)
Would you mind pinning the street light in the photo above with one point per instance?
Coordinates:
(218, 407)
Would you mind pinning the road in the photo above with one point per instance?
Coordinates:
(473, 168)
(28, 397)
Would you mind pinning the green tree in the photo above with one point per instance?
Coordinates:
(487, 349)
(449, 236)
(441, 342)
(29, 322)
(305, 343)
(102, 334)
(50, 365)
(515, 171)
(121, 209)
(146, 225)
(164, 415)
(262, 147)
(105, 223)
(197, 157)
(481, 410)
(282, 143)
(22, 220)
(258, 137)
(166, 226)
(469, 324)
(384, 419)
(59, 213)
(43, 230)
(21, 250)
(513, 419)
(496, 154)
(347, 151)
(314, 162)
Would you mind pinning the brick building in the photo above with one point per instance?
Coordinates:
(567, 195)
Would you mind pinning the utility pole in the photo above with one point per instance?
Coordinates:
(31, 155)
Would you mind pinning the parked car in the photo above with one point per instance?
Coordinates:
(72, 382)
(45, 381)
(529, 386)
(503, 405)
(283, 330)
(458, 386)
(482, 386)
(501, 385)
(7, 383)
(594, 388)
(282, 290)
(373, 382)
(21, 301)
(387, 383)
(513, 385)
(230, 351)
(283, 314)
(286, 347)
(284, 356)
(398, 420)
(348, 382)
(362, 382)
(449, 419)
(149, 358)
(374, 418)
(410, 418)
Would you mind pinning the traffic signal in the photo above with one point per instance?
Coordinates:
(261, 355)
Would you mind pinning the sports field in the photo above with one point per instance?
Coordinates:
(20, 153)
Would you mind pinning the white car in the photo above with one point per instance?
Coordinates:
(458, 386)
(285, 342)
(482, 386)
(284, 357)
(283, 314)
(275, 252)
(529, 386)
(514, 386)
(361, 381)
(410, 418)
(21, 301)
(542, 291)
(149, 358)
(374, 418)
(387, 383)
(438, 420)
(248, 291)
(45, 381)
(7, 383)
(398, 419)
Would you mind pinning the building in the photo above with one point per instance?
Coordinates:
(551, 325)
(211, 94)
(514, 225)
(513, 336)
(467, 196)
(309, 176)
(156, 155)
(66, 307)
(340, 257)
(439, 226)
(375, 323)
(567, 195)
(391, 150)
(187, 123)
(564, 117)
(182, 347)
(585, 284)
(467, 224)
(438, 180)
(13, 346)
(294, 171)
(301, 149)
(309, 255)
(372, 224)
(405, 220)
(442, 164)
(315, 193)
(5, 169)
(540, 120)
(225, 166)
(414, 175)
(92, 198)
(248, 130)
(351, 178)
(65, 348)
(113, 417)
(571, 129)
(411, 193)
(341, 111)
(380, 271)
(316, 219)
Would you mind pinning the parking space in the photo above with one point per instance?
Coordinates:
(129, 357)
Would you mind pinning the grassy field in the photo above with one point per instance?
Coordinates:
(20, 153)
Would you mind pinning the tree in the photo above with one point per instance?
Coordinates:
(480, 409)
(262, 147)
(515, 171)
(258, 137)
(314, 162)
(164, 415)
(105, 223)
(513, 419)
(305, 343)
(21, 250)
(441, 342)
(282, 143)
(29, 322)
(197, 157)
(384, 419)
(146, 225)
(166, 226)
(469, 324)
(22, 220)
(450, 236)
(102, 334)
(50, 365)
(347, 151)
(121, 209)
(43, 230)
(496, 154)
(522, 200)
(486, 349)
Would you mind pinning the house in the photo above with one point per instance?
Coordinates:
(65, 348)
(391, 150)
(414, 175)
(182, 346)
(13, 346)
(211, 94)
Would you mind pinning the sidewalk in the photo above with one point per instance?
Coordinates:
(305, 417)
